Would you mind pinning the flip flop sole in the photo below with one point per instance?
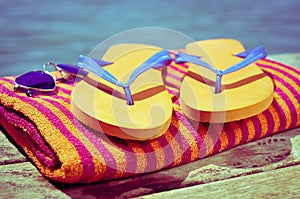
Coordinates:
(245, 92)
(102, 106)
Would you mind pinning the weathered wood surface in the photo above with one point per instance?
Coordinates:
(22, 180)
(267, 154)
(280, 183)
(8, 152)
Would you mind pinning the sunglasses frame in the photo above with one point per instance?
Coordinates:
(29, 90)
(64, 73)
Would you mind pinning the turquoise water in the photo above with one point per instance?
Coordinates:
(34, 32)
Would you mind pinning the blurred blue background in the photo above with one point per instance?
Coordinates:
(34, 32)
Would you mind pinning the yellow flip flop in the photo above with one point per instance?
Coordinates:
(126, 99)
(220, 86)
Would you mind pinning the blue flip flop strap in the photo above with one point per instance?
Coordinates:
(249, 56)
(76, 70)
(158, 60)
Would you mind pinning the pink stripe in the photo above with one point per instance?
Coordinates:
(288, 86)
(282, 116)
(172, 85)
(177, 69)
(65, 91)
(257, 127)
(86, 157)
(175, 77)
(281, 64)
(7, 80)
(245, 131)
(150, 157)
(288, 75)
(230, 134)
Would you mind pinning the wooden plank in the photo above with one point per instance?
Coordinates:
(22, 180)
(263, 155)
(8, 152)
(280, 183)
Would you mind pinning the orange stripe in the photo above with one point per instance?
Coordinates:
(264, 124)
(276, 117)
(237, 132)
(224, 140)
(251, 129)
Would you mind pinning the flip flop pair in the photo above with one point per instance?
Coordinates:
(127, 99)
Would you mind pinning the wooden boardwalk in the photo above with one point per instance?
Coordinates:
(267, 168)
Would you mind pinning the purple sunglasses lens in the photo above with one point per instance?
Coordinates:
(36, 79)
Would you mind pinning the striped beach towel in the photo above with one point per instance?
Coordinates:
(64, 150)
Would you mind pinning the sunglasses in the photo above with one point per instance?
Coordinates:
(44, 81)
